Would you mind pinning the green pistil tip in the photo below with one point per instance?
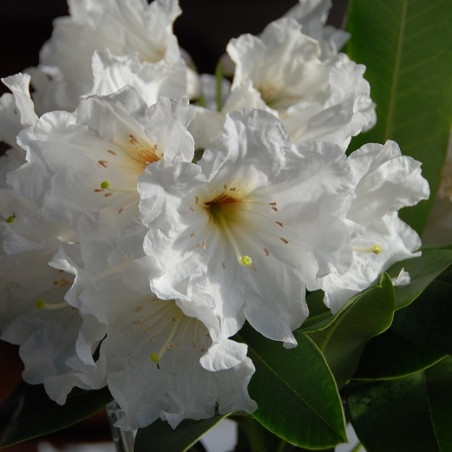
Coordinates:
(105, 184)
(155, 357)
(41, 303)
(11, 218)
(246, 261)
(377, 249)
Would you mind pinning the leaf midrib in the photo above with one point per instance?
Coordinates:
(396, 74)
(289, 386)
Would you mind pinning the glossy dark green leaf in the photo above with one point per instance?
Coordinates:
(159, 436)
(365, 316)
(428, 321)
(392, 356)
(29, 413)
(439, 390)
(422, 270)
(405, 45)
(408, 413)
(295, 391)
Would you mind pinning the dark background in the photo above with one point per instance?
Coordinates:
(203, 29)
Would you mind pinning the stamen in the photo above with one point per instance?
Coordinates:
(42, 304)
(243, 259)
(156, 357)
(11, 218)
(375, 249)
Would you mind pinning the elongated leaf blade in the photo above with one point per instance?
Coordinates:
(408, 413)
(295, 391)
(428, 320)
(422, 270)
(29, 413)
(367, 315)
(390, 356)
(405, 45)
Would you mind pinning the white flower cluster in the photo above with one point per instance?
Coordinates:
(127, 262)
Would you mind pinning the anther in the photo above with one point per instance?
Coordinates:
(246, 261)
(375, 249)
(42, 304)
(11, 218)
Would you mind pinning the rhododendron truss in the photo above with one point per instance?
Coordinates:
(185, 247)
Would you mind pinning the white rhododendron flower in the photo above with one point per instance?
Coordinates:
(124, 27)
(35, 316)
(282, 72)
(92, 158)
(244, 231)
(152, 345)
(326, 100)
(111, 73)
(385, 181)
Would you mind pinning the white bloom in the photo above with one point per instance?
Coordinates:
(123, 27)
(90, 160)
(34, 315)
(111, 73)
(326, 100)
(385, 181)
(152, 353)
(244, 231)
(282, 72)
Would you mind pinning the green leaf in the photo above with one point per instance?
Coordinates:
(366, 315)
(422, 270)
(405, 45)
(295, 391)
(392, 356)
(409, 413)
(29, 413)
(427, 321)
(439, 390)
(159, 436)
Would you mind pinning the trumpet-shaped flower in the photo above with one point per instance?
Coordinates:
(152, 345)
(111, 73)
(326, 100)
(384, 181)
(123, 27)
(245, 230)
(283, 72)
(35, 316)
(88, 162)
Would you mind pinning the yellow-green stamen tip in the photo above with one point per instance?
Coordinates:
(41, 303)
(11, 218)
(155, 357)
(246, 260)
(105, 184)
(377, 249)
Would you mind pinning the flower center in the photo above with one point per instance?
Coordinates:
(277, 99)
(224, 210)
(142, 152)
(168, 326)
